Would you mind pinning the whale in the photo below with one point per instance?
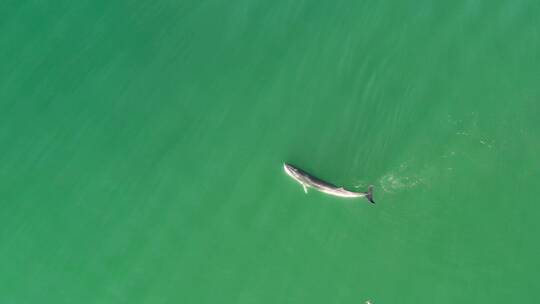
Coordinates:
(308, 180)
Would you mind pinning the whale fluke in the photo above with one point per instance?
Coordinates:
(369, 194)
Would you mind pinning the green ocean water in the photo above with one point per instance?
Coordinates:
(142, 143)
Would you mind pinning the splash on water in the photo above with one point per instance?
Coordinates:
(400, 179)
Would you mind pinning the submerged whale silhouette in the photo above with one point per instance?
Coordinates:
(308, 180)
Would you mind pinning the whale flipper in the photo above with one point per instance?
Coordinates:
(305, 188)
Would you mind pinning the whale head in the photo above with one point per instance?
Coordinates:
(291, 170)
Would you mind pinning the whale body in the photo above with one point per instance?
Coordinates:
(310, 181)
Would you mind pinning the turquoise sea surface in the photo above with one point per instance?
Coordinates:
(142, 143)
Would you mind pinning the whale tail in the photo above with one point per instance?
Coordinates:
(369, 195)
